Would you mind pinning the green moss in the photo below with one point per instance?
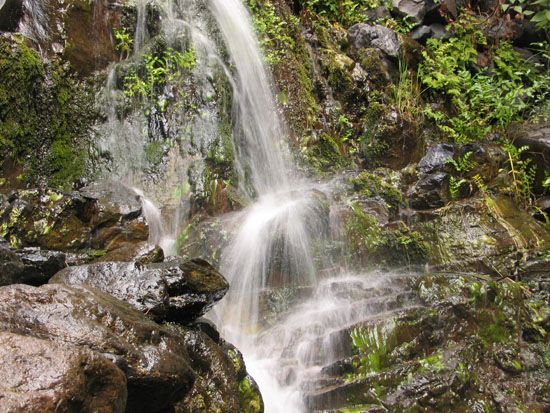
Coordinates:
(371, 185)
(45, 115)
(396, 246)
(251, 401)
(154, 152)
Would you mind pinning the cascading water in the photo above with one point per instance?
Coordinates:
(272, 240)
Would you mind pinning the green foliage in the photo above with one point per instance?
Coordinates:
(521, 172)
(397, 246)
(345, 12)
(251, 401)
(272, 30)
(462, 165)
(371, 185)
(542, 16)
(154, 152)
(45, 115)
(147, 81)
(124, 42)
(432, 363)
(406, 93)
(538, 11)
(373, 345)
(482, 100)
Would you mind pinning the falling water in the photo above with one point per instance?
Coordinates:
(274, 242)
(259, 132)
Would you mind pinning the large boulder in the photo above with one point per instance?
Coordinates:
(363, 36)
(29, 266)
(171, 291)
(154, 359)
(45, 376)
(105, 221)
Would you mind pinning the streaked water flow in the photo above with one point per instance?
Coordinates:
(276, 241)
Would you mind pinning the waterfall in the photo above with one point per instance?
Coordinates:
(274, 244)
(259, 131)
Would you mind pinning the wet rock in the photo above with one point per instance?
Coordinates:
(154, 359)
(363, 36)
(436, 158)
(29, 266)
(44, 376)
(217, 388)
(207, 327)
(11, 12)
(171, 291)
(415, 10)
(104, 222)
(433, 31)
(431, 191)
(48, 219)
(115, 202)
(537, 138)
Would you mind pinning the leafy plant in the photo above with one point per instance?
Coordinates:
(372, 344)
(539, 10)
(462, 165)
(124, 42)
(272, 30)
(521, 172)
(542, 17)
(345, 12)
(482, 100)
(406, 93)
(146, 81)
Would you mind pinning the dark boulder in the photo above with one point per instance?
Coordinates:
(537, 138)
(436, 158)
(103, 220)
(45, 376)
(170, 291)
(363, 36)
(217, 388)
(431, 191)
(29, 266)
(11, 12)
(154, 359)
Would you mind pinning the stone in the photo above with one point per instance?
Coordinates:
(172, 291)
(421, 33)
(116, 202)
(217, 388)
(433, 31)
(431, 191)
(537, 138)
(363, 36)
(436, 158)
(29, 266)
(153, 359)
(415, 10)
(39, 375)
(102, 220)
(11, 12)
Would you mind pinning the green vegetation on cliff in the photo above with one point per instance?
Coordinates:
(45, 115)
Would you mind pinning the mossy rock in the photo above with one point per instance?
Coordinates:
(45, 115)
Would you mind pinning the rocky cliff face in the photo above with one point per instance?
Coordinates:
(430, 120)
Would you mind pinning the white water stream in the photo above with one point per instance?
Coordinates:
(272, 242)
